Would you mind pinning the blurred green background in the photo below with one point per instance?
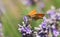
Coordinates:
(15, 12)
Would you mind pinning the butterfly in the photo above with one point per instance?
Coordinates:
(35, 15)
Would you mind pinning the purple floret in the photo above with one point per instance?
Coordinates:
(28, 30)
(25, 18)
(52, 12)
(42, 5)
(55, 32)
(58, 18)
(28, 2)
(44, 25)
(23, 29)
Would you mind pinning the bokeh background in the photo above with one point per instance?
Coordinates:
(14, 12)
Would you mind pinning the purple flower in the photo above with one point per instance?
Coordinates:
(28, 30)
(23, 29)
(25, 18)
(29, 2)
(26, 2)
(52, 12)
(55, 32)
(42, 5)
(58, 17)
(44, 25)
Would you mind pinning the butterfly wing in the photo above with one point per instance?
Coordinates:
(38, 16)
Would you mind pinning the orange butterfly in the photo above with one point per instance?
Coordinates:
(35, 15)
